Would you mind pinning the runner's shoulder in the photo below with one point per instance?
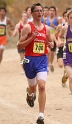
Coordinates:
(27, 28)
(17, 25)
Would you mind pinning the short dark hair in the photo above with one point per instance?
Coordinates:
(34, 5)
(27, 8)
(69, 12)
(3, 9)
(52, 7)
(65, 12)
(46, 7)
(68, 8)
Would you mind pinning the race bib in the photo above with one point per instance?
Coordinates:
(2, 31)
(70, 47)
(64, 55)
(38, 47)
(52, 31)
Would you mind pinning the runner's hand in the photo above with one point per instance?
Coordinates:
(50, 44)
(34, 33)
(9, 32)
(52, 25)
(60, 44)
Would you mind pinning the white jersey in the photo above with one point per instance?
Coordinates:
(30, 19)
(3, 22)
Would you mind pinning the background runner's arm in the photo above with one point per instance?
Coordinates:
(58, 28)
(49, 36)
(9, 22)
(61, 34)
(16, 30)
(10, 26)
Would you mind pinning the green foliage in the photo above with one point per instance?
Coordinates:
(6, 2)
(15, 7)
(9, 1)
(2, 3)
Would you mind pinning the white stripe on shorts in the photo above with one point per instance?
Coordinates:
(2, 46)
(31, 82)
(40, 76)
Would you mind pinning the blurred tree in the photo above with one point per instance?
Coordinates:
(4, 3)
(15, 7)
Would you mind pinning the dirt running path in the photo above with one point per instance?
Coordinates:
(13, 107)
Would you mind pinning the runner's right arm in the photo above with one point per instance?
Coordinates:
(16, 30)
(25, 36)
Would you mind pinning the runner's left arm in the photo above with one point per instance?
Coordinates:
(49, 36)
(9, 22)
(60, 36)
(16, 30)
(10, 26)
(58, 28)
(50, 40)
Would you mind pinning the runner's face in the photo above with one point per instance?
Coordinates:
(37, 13)
(52, 12)
(29, 11)
(65, 17)
(45, 12)
(70, 19)
(2, 12)
(24, 17)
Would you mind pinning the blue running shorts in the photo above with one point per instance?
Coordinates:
(36, 64)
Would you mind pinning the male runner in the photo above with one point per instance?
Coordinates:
(18, 29)
(60, 49)
(4, 21)
(67, 54)
(35, 36)
(52, 21)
